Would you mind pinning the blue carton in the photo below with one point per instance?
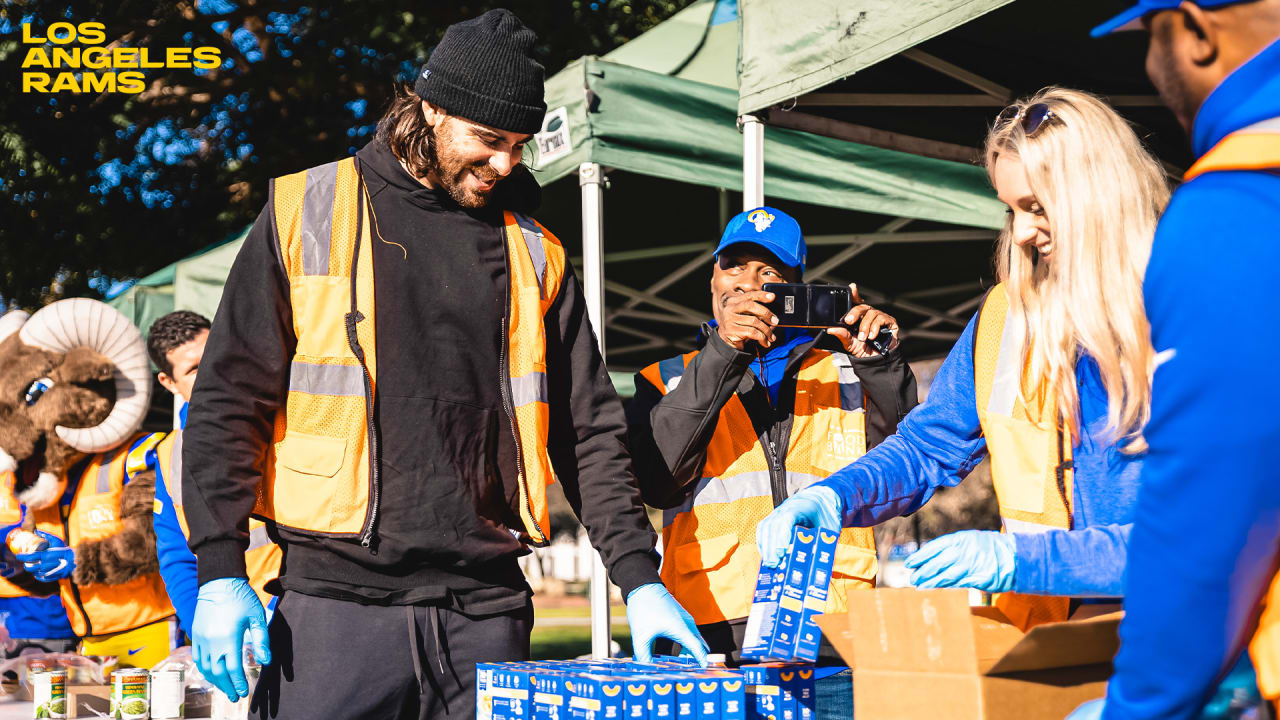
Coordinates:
(763, 616)
(815, 598)
(686, 699)
(502, 691)
(595, 697)
(800, 687)
(786, 632)
(728, 691)
(764, 690)
(550, 700)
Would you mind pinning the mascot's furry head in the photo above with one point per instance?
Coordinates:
(74, 379)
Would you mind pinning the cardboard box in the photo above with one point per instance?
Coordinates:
(924, 655)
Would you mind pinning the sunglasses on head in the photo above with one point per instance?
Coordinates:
(1032, 117)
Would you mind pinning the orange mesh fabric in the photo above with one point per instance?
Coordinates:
(710, 560)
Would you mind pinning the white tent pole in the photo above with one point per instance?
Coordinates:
(591, 183)
(752, 161)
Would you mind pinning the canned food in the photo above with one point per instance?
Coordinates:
(168, 694)
(49, 694)
(130, 694)
(22, 542)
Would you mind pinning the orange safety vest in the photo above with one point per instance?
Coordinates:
(319, 478)
(710, 560)
(10, 516)
(1256, 147)
(93, 514)
(1030, 451)
(261, 560)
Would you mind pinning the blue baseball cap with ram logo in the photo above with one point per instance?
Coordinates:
(771, 229)
(1131, 19)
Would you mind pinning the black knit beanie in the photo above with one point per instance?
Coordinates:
(483, 70)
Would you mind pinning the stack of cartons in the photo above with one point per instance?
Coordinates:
(780, 626)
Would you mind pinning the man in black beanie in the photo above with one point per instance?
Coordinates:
(401, 366)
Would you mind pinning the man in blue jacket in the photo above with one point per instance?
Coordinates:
(1203, 549)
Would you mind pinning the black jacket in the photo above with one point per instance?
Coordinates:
(669, 434)
(447, 456)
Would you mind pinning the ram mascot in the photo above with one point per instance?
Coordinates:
(75, 384)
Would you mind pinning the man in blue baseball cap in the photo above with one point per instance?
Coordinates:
(1205, 542)
(721, 435)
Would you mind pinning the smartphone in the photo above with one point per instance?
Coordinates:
(818, 306)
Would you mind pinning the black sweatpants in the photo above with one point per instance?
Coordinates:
(341, 660)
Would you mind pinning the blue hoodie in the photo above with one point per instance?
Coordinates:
(941, 441)
(1207, 524)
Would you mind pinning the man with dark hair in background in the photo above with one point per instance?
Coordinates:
(176, 345)
(400, 367)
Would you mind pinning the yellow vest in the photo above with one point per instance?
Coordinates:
(1030, 451)
(94, 514)
(262, 559)
(710, 561)
(1256, 147)
(319, 476)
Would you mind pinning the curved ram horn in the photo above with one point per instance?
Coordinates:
(11, 321)
(81, 322)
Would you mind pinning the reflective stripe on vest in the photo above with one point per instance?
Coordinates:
(262, 559)
(94, 515)
(1030, 455)
(319, 476)
(710, 559)
(1256, 147)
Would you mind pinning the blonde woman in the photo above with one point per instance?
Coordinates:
(1050, 378)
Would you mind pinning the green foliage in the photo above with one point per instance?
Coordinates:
(282, 105)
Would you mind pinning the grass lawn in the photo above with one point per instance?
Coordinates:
(570, 634)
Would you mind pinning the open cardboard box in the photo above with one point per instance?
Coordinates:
(927, 655)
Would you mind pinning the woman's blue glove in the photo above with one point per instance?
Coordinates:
(814, 507)
(981, 559)
(1091, 710)
(652, 613)
(225, 609)
(53, 563)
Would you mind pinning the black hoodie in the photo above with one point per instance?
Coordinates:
(448, 463)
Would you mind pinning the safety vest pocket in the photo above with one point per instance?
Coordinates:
(317, 300)
(311, 454)
(855, 569)
(1018, 449)
(705, 555)
(307, 475)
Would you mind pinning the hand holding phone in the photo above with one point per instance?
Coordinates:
(747, 318)
(862, 329)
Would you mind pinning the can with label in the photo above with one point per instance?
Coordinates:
(22, 542)
(168, 694)
(49, 693)
(130, 694)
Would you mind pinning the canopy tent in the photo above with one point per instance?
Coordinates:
(928, 77)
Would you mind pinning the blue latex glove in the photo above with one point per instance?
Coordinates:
(982, 559)
(225, 609)
(814, 507)
(652, 613)
(1091, 710)
(53, 563)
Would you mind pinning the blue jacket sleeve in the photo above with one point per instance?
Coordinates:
(1088, 562)
(937, 443)
(177, 562)
(1207, 524)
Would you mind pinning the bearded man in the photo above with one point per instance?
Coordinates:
(400, 367)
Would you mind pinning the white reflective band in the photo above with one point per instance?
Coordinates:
(317, 218)
(530, 388)
(538, 254)
(258, 537)
(1008, 376)
(712, 490)
(174, 484)
(1024, 527)
(850, 385)
(340, 380)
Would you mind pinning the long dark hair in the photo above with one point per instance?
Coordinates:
(405, 129)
